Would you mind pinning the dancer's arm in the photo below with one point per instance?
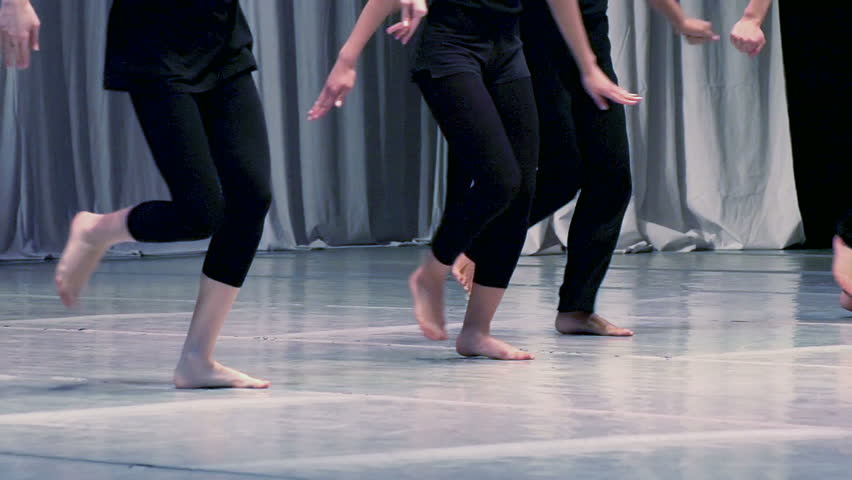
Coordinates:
(19, 26)
(747, 35)
(695, 30)
(341, 80)
(600, 87)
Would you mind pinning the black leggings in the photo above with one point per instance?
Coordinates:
(844, 228)
(213, 152)
(492, 130)
(582, 148)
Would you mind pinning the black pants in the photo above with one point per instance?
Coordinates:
(213, 152)
(844, 228)
(492, 131)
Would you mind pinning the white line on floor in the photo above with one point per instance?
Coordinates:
(73, 417)
(374, 307)
(780, 351)
(537, 449)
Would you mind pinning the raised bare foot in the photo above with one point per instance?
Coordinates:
(478, 345)
(204, 373)
(80, 258)
(428, 293)
(584, 323)
(463, 270)
(842, 266)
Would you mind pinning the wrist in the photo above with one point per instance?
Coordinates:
(347, 56)
(752, 17)
(587, 64)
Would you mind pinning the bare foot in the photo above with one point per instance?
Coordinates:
(478, 345)
(842, 266)
(463, 270)
(80, 258)
(428, 293)
(203, 373)
(584, 323)
(846, 301)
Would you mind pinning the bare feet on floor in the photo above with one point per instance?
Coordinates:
(479, 345)
(584, 323)
(194, 372)
(428, 292)
(80, 258)
(463, 270)
(842, 269)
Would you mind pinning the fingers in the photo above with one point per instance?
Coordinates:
(600, 101)
(23, 53)
(34, 38)
(622, 96)
(323, 104)
(407, 12)
(9, 50)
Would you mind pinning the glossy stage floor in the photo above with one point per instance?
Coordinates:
(741, 369)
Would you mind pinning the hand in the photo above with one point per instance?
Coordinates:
(340, 82)
(748, 37)
(19, 29)
(600, 88)
(697, 31)
(412, 13)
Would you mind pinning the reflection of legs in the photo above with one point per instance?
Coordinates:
(499, 245)
(472, 126)
(842, 266)
(234, 122)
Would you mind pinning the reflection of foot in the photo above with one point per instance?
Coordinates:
(584, 323)
(463, 270)
(846, 301)
(203, 373)
(80, 258)
(428, 293)
(842, 266)
(475, 345)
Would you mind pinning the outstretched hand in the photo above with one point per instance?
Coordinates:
(340, 82)
(601, 89)
(698, 31)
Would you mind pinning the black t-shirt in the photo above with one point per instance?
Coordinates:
(590, 8)
(176, 45)
(506, 6)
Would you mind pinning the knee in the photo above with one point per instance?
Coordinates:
(255, 204)
(505, 189)
(203, 219)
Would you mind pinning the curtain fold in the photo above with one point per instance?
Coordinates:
(710, 145)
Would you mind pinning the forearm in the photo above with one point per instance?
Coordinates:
(570, 20)
(757, 10)
(670, 9)
(371, 18)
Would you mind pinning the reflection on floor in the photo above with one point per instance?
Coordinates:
(741, 368)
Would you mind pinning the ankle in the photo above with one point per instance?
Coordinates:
(574, 315)
(196, 358)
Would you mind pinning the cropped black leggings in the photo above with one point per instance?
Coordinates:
(492, 130)
(213, 152)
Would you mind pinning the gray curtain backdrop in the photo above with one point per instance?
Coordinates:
(710, 145)
(711, 152)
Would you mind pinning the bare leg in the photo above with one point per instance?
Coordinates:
(427, 288)
(842, 269)
(89, 238)
(585, 323)
(463, 270)
(196, 368)
(475, 338)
